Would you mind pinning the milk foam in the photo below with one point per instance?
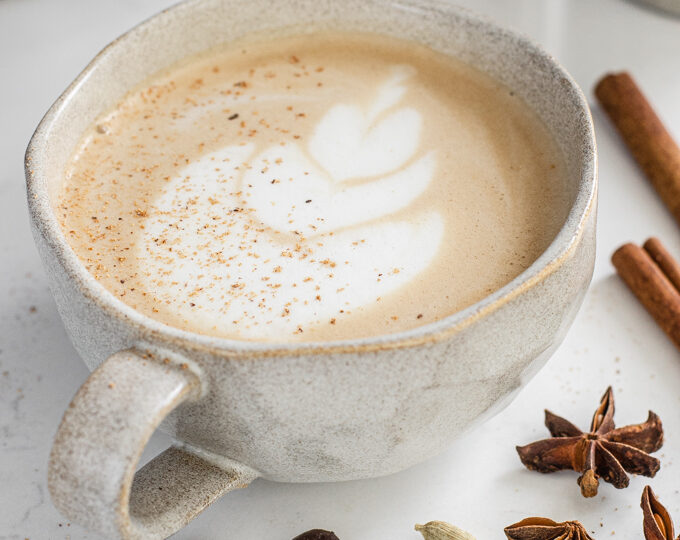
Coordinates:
(314, 187)
(274, 241)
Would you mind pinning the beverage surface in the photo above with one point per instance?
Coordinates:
(319, 187)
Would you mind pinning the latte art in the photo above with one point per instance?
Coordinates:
(350, 143)
(307, 189)
(279, 240)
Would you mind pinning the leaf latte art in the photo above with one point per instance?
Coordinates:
(294, 245)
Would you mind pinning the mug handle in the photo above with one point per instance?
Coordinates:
(91, 472)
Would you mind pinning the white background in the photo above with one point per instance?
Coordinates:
(479, 483)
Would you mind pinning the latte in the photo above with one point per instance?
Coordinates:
(318, 187)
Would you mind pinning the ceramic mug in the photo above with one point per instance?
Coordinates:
(291, 412)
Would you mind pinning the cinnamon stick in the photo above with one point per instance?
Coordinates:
(647, 138)
(664, 260)
(651, 285)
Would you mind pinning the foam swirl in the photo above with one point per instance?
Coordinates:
(269, 242)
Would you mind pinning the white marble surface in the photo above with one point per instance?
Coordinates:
(479, 483)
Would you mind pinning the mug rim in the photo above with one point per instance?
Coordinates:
(559, 250)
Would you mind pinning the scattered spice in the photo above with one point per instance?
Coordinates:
(604, 452)
(656, 522)
(537, 528)
(440, 530)
(317, 534)
(233, 116)
(653, 276)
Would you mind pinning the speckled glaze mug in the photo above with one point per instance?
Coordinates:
(303, 412)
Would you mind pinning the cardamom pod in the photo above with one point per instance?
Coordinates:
(440, 530)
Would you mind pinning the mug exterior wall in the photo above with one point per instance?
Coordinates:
(354, 411)
(348, 415)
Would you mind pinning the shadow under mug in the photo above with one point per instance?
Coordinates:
(302, 412)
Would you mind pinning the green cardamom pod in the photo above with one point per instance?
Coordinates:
(440, 530)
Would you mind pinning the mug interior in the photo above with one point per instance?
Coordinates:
(195, 26)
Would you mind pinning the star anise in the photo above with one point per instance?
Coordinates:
(536, 528)
(604, 452)
(656, 522)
